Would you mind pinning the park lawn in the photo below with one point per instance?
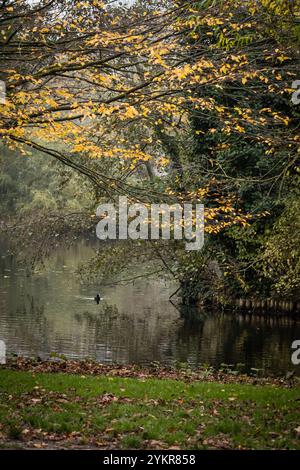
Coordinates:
(56, 410)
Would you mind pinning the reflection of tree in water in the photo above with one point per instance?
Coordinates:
(265, 341)
(31, 328)
(254, 341)
(129, 338)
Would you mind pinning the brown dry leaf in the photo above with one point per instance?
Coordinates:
(25, 431)
(38, 445)
(155, 444)
(218, 442)
(57, 409)
(297, 431)
(246, 419)
(274, 434)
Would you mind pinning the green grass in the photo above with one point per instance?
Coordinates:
(134, 413)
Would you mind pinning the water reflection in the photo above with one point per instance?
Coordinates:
(135, 323)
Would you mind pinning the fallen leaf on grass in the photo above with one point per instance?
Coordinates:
(219, 442)
(155, 444)
(39, 445)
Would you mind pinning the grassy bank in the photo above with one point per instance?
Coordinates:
(60, 410)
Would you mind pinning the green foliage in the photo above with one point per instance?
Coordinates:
(281, 253)
(261, 259)
(35, 183)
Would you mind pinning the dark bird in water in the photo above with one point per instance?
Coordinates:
(97, 299)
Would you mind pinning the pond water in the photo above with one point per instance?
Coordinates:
(53, 312)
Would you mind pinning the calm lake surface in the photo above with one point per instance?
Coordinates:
(53, 311)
